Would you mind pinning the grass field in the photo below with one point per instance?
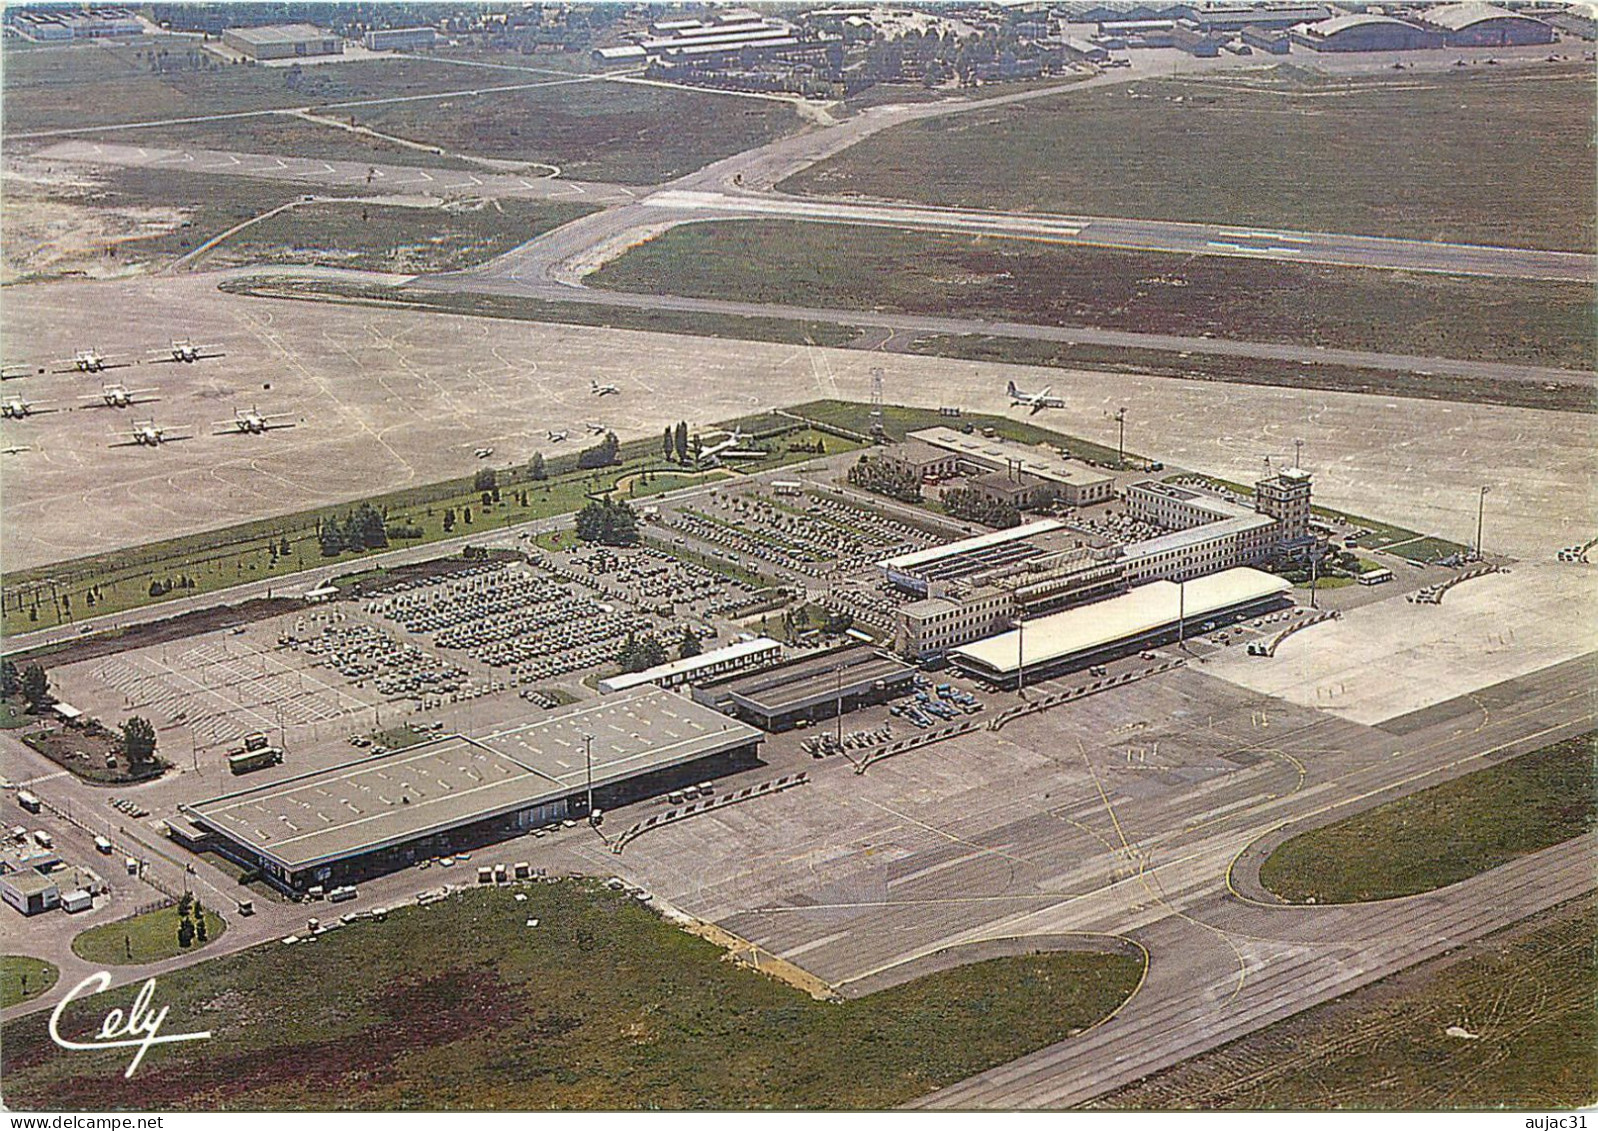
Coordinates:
(1444, 834)
(22, 978)
(289, 135)
(1525, 994)
(848, 267)
(105, 83)
(144, 938)
(405, 240)
(592, 130)
(1397, 157)
(460, 1005)
(250, 551)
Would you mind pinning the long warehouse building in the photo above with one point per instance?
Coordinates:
(1150, 614)
(377, 814)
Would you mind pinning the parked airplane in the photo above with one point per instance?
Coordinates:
(556, 437)
(15, 408)
(1034, 401)
(146, 434)
(602, 390)
(185, 350)
(730, 448)
(251, 421)
(86, 361)
(596, 429)
(15, 449)
(483, 453)
(119, 396)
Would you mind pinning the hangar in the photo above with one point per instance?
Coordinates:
(1149, 614)
(282, 41)
(377, 814)
(1486, 25)
(1366, 33)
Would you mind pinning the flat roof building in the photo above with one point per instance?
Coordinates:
(757, 653)
(1148, 614)
(815, 687)
(282, 41)
(401, 39)
(1074, 483)
(29, 892)
(384, 812)
(918, 570)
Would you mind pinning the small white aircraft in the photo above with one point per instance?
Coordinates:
(13, 372)
(147, 434)
(186, 351)
(729, 448)
(602, 390)
(483, 453)
(250, 422)
(15, 449)
(596, 429)
(1034, 401)
(15, 408)
(556, 437)
(119, 396)
(86, 361)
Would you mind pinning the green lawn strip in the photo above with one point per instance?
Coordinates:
(906, 272)
(461, 1005)
(519, 309)
(1525, 997)
(149, 937)
(22, 978)
(1195, 365)
(1405, 156)
(202, 563)
(1444, 834)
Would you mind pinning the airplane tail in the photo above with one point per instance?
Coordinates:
(1011, 388)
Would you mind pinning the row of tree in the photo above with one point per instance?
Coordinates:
(608, 523)
(362, 529)
(641, 653)
(973, 506)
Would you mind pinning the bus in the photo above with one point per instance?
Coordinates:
(1375, 576)
(246, 760)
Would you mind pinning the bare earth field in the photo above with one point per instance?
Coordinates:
(1407, 156)
(393, 398)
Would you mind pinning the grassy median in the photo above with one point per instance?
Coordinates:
(1444, 834)
(462, 1005)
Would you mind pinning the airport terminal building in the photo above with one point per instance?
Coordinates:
(378, 814)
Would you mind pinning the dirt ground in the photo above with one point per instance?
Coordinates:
(386, 399)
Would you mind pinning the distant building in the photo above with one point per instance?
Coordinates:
(1267, 39)
(745, 654)
(1069, 481)
(401, 39)
(1366, 33)
(1485, 25)
(282, 41)
(45, 25)
(625, 55)
(1230, 19)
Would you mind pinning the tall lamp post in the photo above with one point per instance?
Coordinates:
(1481, 506)
(1020, 655)
(1120, 443)
(588, 763)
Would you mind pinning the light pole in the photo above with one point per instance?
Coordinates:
(1120, 444)
(1481, 506)
(588, 762)
(1020, 655)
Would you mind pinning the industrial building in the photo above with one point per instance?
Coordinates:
(1231, 19)
(1152, 614)
(741, 656)
(282, 41)
(55, 25)
(1366, 33)
(29, 892)
(805, 690)
(376, 814)
(1485, 25)
(401, 39)
(1270, 40)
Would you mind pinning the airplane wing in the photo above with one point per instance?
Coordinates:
(1037, 406)
(269, 426)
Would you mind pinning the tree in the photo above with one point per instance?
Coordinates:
(449, 519)
(535, 470)
(200, 931)
(680, 441)
(608, 523)
(689, 648)
(667, 444)
(10, 679)
(485, 481)
(602, 454)
(138, 741)
(35, 686)
(185, 932)
(331, 539)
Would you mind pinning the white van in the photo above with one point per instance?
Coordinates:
(43, 839)
(102, 846)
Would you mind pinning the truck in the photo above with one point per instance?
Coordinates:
(254, 742)
(102, 846)
(28, 801)
(247, 760)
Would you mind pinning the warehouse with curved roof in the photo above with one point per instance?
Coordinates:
(1486, 25)
(1366, 33)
